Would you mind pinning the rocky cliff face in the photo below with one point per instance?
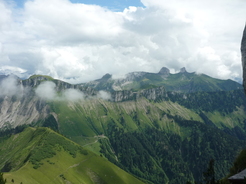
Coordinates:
(183, 70)
(33, 82)
(150, 94)
(164, 72)
(243, 52)
(16, 111)
(19, 104)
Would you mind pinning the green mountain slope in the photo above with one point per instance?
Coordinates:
(157, 135)
(40, 155)
(160, 141)
(239, 165)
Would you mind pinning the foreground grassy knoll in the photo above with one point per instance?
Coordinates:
(43, 156)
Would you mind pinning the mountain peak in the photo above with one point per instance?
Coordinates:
(183, 70)
(164, 72)
(107, 76)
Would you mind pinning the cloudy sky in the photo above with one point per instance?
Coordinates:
(81, 40)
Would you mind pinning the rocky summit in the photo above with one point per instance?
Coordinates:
(164, 72)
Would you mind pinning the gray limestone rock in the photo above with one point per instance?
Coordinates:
(164, 72)
(183, 70)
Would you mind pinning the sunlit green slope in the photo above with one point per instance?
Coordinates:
(160, 141)
(92, 118)
(40, 155)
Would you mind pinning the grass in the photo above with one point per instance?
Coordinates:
(45, 76)
(68, 162)
(83, 120)
(82, 169)
(90, 143)
(229, 120)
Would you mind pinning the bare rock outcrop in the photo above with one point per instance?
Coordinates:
(243, 52)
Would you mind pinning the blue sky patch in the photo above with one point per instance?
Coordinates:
(114, 5)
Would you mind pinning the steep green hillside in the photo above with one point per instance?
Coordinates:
(91, 118)
(158, 135)
(40, 155)
(160, 141)
(224, 109)
(239, 165)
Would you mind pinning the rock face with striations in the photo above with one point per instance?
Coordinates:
(150, 94)
(243, 52)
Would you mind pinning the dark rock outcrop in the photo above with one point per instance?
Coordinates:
(183, 70)
(164, 72)
(243, 52)
(106, 77)
(150, 94)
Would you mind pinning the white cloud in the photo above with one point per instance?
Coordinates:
(5, 17)
(9, 86)
(79, 43)
(104, 95)
(46, 90)
(12, 69)
(73, 95)
(62, 22)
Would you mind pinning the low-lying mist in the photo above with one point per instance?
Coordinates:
(10, 86)
(47, 90)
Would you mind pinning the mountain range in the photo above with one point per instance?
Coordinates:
(180, 82)
(145, 128)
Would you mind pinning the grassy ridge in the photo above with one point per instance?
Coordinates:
(63, 168)
(43, 156)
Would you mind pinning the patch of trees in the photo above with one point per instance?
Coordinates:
(49, 145)
(222, 101)
(159, 156)
(8, 132)
(2, 180)
(51, 122)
